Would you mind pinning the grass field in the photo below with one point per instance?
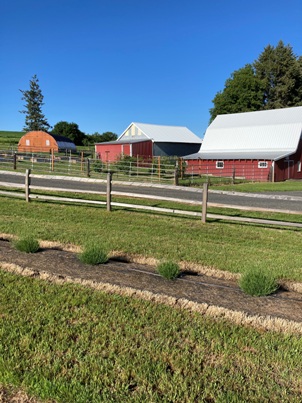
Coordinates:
(232, 247)
(220, 183)
(74, 344)
(8, 138)
(287, 186)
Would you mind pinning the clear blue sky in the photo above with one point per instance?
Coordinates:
(106, 63)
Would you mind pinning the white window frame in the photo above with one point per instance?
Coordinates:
(219, 164)
(47, 142)
(27, 142)
(262, 164)
(299, 166)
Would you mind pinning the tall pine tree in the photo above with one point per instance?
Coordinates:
(280, 73)
(34, 118)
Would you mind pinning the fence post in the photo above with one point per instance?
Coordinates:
(88, 167)
(52, 160)
(15, 161)
(204, 202)
(109, 187)
(176, 176)
(82, 160)
(27, 185)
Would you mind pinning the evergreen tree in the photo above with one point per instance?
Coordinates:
(273, 81)
(281, 75)
(34, 118)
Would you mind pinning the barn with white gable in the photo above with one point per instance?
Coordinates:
(149, 140)
(259, 146)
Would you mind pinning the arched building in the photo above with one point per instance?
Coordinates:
(39, 141)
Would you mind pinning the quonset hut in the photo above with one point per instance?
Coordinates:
(259, 146)
(39, 141)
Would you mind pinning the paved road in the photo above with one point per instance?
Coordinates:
(283, 201)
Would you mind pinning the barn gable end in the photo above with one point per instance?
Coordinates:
(146, 140)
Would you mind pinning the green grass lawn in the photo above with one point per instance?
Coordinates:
(74, 344)
(226, 246)
(287, 186)
(221, 183)
(225, 183)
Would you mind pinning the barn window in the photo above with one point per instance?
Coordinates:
(219, 164)
(47, 142)
(27, 142)
(262, 164)
(299, 166)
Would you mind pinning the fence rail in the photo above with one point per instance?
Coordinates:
(203, 214)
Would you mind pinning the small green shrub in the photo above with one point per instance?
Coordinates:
(93, 254)
(258, 283)
(168, 270)
(27, 244)
(98, 166)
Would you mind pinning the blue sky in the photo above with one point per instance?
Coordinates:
(106, 63)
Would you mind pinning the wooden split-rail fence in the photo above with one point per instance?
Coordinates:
(204, 204)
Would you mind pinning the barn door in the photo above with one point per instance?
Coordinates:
(288, 169)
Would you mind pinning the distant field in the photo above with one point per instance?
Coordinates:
(8, 138)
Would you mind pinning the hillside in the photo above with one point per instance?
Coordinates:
(9, 138)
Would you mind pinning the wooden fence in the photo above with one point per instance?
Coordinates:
(28, 195)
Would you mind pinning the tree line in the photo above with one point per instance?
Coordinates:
(272, 81)
(36, 120)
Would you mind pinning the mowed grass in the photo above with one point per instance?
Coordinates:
(258, 187)
(226, 246)
(73, 344)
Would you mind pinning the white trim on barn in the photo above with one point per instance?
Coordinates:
(159, 133)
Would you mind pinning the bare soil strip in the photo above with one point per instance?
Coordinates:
(208, 295)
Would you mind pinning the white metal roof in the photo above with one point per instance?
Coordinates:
(164, 134)
(271, 134)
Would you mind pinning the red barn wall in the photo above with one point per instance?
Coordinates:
(112, 152)
(108, 152)
(143, 149)
(291, 167)
(245, 169)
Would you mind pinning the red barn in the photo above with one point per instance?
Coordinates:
(258, 146)
(147, 141)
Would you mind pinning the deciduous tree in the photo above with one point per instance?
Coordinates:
(99, 138)
(273, 81)
(70, 130)
(242, 93)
